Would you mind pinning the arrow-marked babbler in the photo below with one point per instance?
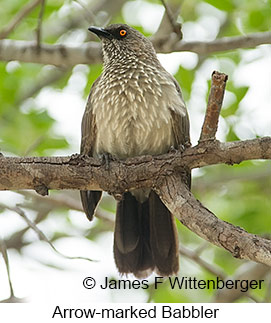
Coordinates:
(135, 107)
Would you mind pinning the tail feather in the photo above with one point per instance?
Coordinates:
(90, 200)
(127, 226)
(145, 237)
(163, 237)
(131, 248)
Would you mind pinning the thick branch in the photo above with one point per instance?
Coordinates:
(81, 172)
(214, 105)
(90, 53)
(190, 212)
(59, 55)
(224, 44)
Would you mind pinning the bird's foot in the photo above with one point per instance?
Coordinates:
(105, 159)
(187, 144)
(173, 150)
(181, 148)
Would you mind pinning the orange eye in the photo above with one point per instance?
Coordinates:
(123, 32)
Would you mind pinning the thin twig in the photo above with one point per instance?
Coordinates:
(5, 256)
(34, 145)
(248, 271)
(63, 200)
(18, 18)
(41, 82)
(203, 246)
(215, 100)
(253, 298)
(176, 27)
(87, 13)
(58, 27)
(188, 253)
(39, 27)
(40, 234)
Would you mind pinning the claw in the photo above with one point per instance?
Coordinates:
(105, 159)
(172, 149)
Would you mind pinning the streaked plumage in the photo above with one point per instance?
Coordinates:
(135, 108)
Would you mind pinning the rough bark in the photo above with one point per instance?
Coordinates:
(190, 212)
(214, 105)
(82, 172)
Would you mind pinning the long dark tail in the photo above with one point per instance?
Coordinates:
(90, 199)
(145, 237)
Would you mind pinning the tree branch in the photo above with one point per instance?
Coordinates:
(19, 17)
(223, 44)
(190, 212)
(58, 55)
(43, 79)
(159, 172)
(90, 53)
(210, 124)
(193, 255)
(162, 173)
(109, 8)
(39, 26)
(169, 31)
(40, 234)
(3, 249)
(248, 271)
(86, 173)
(175, 27)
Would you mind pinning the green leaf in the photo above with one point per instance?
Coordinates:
(256, 18)
(240, 92)
(231, 110)
(185, 78)
(225, 5)
(231, 136)
(94, 72)
(29, 133)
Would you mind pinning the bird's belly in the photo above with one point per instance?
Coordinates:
(133, 131)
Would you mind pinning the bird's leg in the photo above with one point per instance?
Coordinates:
(187, 144)
(105, 159)
(181, 148)
(172, 149)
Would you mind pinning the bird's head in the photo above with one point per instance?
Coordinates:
(121, 42)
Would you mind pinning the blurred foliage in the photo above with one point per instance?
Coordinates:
(239, 194)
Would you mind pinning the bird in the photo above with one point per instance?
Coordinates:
(135, 107)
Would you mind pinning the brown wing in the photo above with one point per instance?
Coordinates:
(180, 123)
(180, 126)
(88, 127)
(89, 199)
